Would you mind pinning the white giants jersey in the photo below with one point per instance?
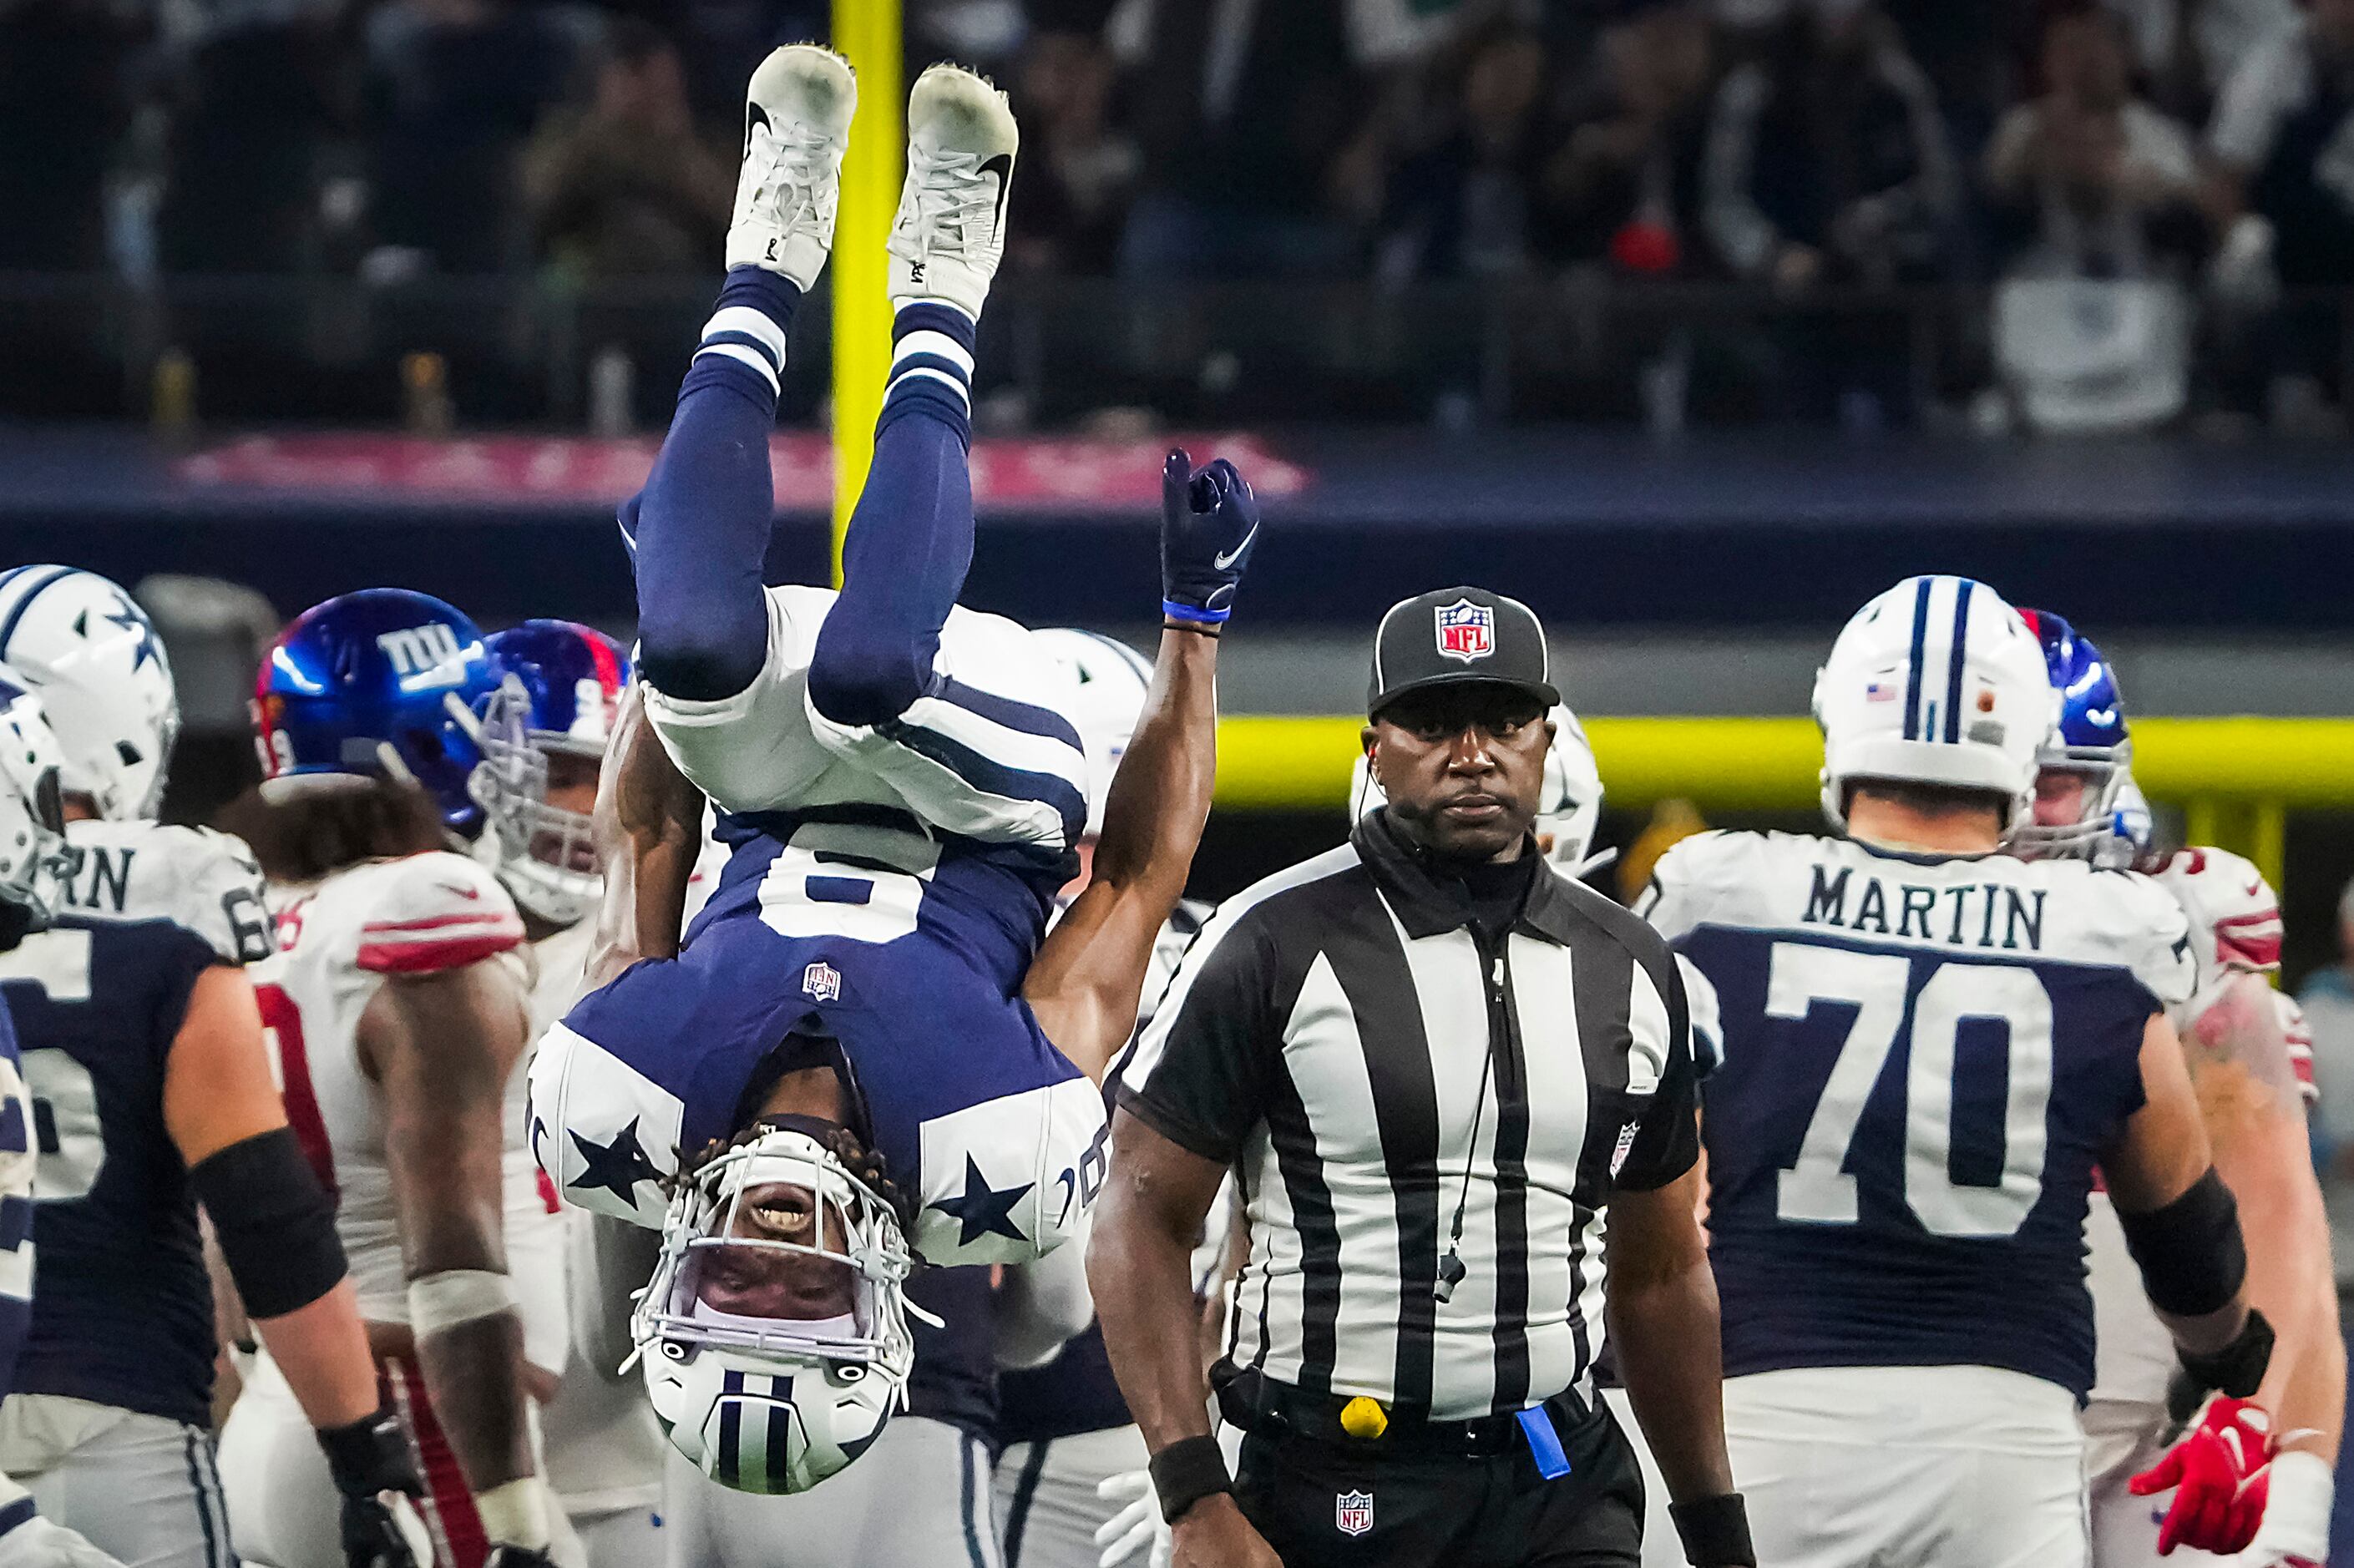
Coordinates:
(338, 943)
(2235, 929)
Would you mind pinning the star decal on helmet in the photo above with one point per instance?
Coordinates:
(982, 1210)
(129, 620)
(617, 1167)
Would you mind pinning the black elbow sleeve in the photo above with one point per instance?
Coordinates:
(274, 1222)
(2190, 1254)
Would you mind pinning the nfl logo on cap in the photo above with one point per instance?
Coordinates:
(1465, 631)
(822, 982)
(1352, 1513)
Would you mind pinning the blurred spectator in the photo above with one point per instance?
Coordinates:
(2187, 49)
(1464, 205)
(456, 87)
(621, 186)
(2099, 182)
(261, 106)
(1625, 183)
(1240, 107)
(1078, 173)
(1827, 160)
(61, 113)
(2284, 137)
(2327, 998)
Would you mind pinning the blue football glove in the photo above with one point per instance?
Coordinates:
(1209, 525)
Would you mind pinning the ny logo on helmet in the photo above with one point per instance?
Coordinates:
(1465, 631)
(429, 650)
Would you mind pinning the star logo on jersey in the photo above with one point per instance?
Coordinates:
(982, 1210)
(1352, 1513)
(617, 1167)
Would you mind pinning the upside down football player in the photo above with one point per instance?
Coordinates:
(2254, 1476)
(863, 1052)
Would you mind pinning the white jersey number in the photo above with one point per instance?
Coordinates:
(65, 1101)
(1816, 1190)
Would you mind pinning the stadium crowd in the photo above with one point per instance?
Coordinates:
(2179, 167)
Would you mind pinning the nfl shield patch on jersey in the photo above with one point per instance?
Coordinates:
(821, 981)
(1465, 631)
(1352, 1513)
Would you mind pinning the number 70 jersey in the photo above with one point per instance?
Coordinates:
(1924, 1059)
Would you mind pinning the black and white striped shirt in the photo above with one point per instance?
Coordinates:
(1327, 1035)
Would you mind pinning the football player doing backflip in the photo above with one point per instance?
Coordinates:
(863, 1052)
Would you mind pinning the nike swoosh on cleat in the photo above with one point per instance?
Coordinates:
(1002, 166)
(753, 115)
(1228, 557)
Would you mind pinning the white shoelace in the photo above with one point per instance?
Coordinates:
(955, 205)
(796, 170)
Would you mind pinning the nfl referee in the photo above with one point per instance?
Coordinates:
(1433, 1064)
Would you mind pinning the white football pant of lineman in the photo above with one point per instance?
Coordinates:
(1941, 1466)
(141, 1488)
(917, 1499)
(1048, 1497)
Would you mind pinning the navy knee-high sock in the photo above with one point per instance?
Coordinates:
(701, 525)
(910, 539)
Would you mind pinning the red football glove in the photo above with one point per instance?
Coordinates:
(2218, 1477)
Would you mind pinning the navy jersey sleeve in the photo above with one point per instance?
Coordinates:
(1197, 1075)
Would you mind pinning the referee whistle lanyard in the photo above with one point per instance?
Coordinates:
(1451, 1268)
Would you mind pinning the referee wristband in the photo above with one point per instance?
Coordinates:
(1185, 1472)
(1716, 1531)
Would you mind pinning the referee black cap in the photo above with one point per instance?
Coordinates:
(1456, 636)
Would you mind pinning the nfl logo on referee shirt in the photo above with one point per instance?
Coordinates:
(1352, 1513)
(1465, 631)
(822, 982)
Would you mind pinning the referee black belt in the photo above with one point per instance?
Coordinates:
(1261, 1405)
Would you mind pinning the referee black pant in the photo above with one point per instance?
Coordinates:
(1328, 1502)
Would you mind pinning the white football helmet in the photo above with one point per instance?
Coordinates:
(32, 811)
(766, 1402)
(1937, 681)
(1569, 808)
(1113, 680)
(93, 658)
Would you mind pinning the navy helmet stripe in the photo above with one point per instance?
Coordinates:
(780, 1430)
(32, 592)
(731, 1430)
(1962, 587)
(1913, 666)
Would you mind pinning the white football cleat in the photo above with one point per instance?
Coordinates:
(950, 231)
(796, 127)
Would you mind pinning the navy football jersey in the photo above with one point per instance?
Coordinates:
(17, 1165)
(908, 951)
(1923, 1059)
(123, 1315)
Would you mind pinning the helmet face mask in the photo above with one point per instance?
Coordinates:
(2090, 745)
(774, 1336)
(543, 731)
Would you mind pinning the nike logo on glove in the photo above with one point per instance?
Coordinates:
(1225, 558)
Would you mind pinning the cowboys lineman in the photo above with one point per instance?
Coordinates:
(143, 1044)
(863, 1052)
(32, 841)
(2253, 1476)
(1928, 1047)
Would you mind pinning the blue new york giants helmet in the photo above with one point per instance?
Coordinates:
(2090, 742)
(558, 694)
(381, 683)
